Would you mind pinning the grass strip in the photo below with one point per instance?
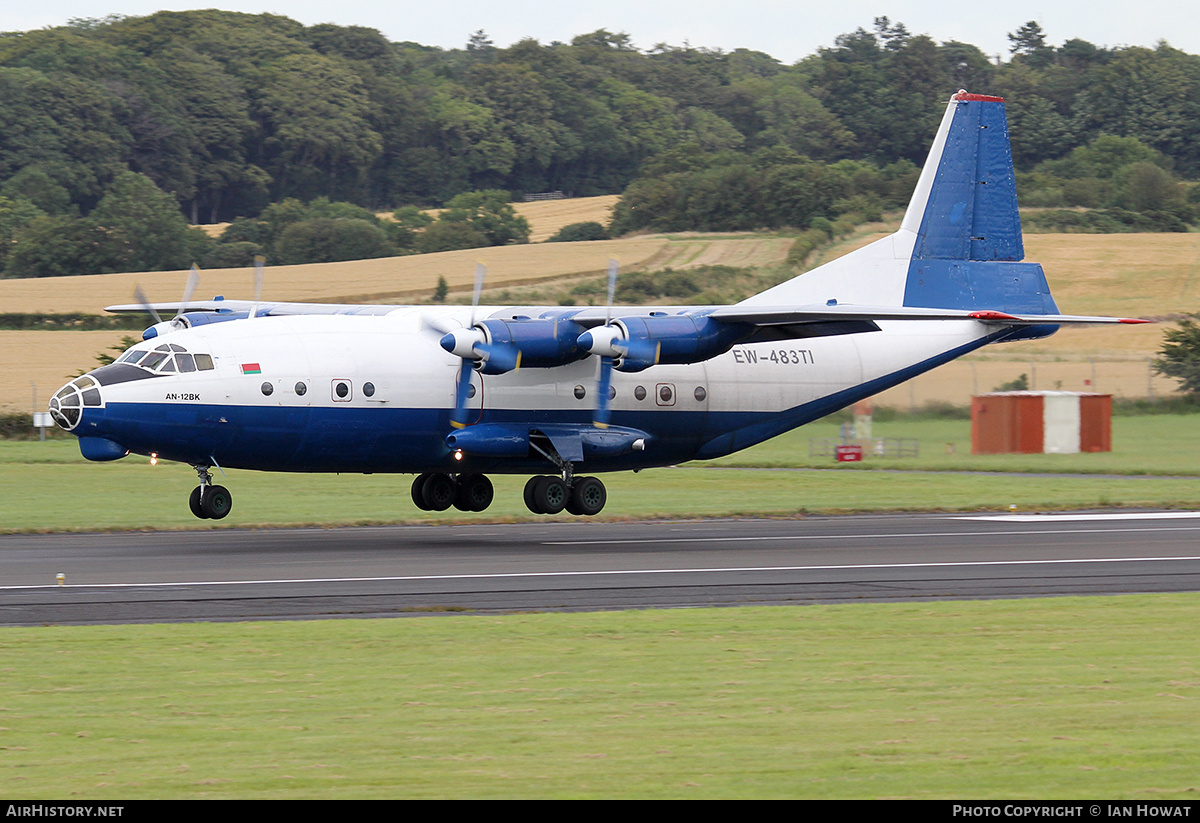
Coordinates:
(1070, 697)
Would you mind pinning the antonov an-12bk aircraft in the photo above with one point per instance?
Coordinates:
(452, 394)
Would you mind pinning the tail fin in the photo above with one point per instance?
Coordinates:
(959, 245)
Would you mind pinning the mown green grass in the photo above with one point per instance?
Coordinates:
(50, 487)
(1153, 444)
(1063, 698)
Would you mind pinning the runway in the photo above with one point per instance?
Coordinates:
(578, 565)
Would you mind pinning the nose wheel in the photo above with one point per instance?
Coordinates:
(209, 502)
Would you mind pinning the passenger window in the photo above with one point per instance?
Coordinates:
(204, 362)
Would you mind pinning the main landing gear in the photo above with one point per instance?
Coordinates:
(435, 491)
(209, 502)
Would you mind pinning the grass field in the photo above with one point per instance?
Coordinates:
(1040, 698)
(50, 487)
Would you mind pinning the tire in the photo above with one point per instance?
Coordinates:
(530, 503)
(588, 496)
(438, 492)
(418, 495)
(216, 502)
(551, 494)
(194, 504)
(474, 493)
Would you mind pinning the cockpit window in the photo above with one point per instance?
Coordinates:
(168, 358)
(152, 361)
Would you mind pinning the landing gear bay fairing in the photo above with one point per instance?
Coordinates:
(453, 394)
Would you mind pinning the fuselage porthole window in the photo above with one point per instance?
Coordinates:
(301, 388)
(369, 389)
(267, 388)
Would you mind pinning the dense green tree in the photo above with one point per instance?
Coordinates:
(1179, 355)
(450, 236)
(327, 240)
(490, 213)
(140, 228)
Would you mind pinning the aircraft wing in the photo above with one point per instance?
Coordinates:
(791, 315)
(839, 314)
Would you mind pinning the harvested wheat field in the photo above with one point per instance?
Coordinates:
(47, 359)
(395, 279)
(546, 217)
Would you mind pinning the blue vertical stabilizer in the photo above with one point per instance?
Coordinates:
(968, 248)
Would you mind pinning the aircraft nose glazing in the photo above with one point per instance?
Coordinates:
(67, 405)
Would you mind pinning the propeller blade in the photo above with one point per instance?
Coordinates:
(480, 274)
(140, 296)
(259, 262)
(646, 351)
(458, 419)
(612, 288)
(602, 414)
(499, 358)
(189, 289)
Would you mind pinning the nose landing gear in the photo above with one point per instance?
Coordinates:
(209, 502)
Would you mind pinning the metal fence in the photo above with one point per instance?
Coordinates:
(875, 447)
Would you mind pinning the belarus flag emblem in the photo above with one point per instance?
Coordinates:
(251, 368)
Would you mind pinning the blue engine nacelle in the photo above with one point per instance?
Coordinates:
(637, 343)
(542, 343)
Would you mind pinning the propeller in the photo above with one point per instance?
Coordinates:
(610, 342)
(472, 345)
(174, 324)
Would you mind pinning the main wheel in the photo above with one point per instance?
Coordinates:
(588, 496)
(216, 502)
(438, 492)
(474, 493)
(551, 494)
(194, 503)
(530, 502)
(418, 493)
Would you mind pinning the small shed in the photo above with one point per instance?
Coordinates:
(1037, 422)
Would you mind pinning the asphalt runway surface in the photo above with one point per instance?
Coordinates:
(421, 570)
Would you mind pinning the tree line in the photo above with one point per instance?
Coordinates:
(116, 133)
